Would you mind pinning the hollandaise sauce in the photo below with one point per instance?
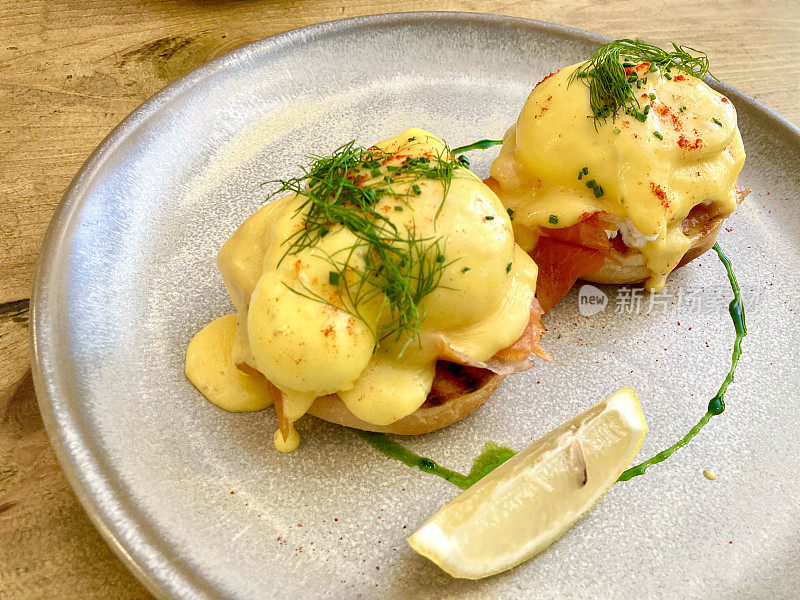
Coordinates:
(633, 133)
(494, 455)
(356, 278)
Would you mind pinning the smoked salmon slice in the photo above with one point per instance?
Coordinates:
(565, 255)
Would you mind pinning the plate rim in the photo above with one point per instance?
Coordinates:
(130, 536)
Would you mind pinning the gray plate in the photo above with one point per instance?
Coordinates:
(197, 502)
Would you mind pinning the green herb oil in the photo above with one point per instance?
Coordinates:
(494, 455)
(479, 145)
(716, 405)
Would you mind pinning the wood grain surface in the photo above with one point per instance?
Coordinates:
(70, 71)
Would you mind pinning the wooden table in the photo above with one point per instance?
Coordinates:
(70, 71)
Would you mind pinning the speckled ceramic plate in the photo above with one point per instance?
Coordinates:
(197, 502)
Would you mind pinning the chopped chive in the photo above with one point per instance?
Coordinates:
(653, 68)
(717, 121)
(617, 130)
(510, 212)
(580, 175)
(416, 189)
(463, 161)
(628, 64)
(392, 168)
(552, 219)
(598, 191)
(659, 135)
(440, 258)
(591, 183)
(398, 208)
(652, 96)
(585, 170)
(411, 139)
(668, 76)
(682, 108)
(465, 269)
(489, 217)
(375, 172)
(646, 109)
(333, 278)
(508, 267)
(632, 78)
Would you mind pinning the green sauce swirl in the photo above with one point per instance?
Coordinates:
(494, 455)
(479, 145)
(716, 405)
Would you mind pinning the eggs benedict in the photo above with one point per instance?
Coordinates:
(383, 291)
(621, 168)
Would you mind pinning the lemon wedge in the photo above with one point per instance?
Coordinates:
(530, 501)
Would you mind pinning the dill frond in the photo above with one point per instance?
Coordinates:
(395, 267)
(610, 86)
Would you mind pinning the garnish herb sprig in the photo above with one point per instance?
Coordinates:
(611, 89)
(395, 267)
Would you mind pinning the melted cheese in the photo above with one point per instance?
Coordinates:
(651, 182)
(308, 348)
